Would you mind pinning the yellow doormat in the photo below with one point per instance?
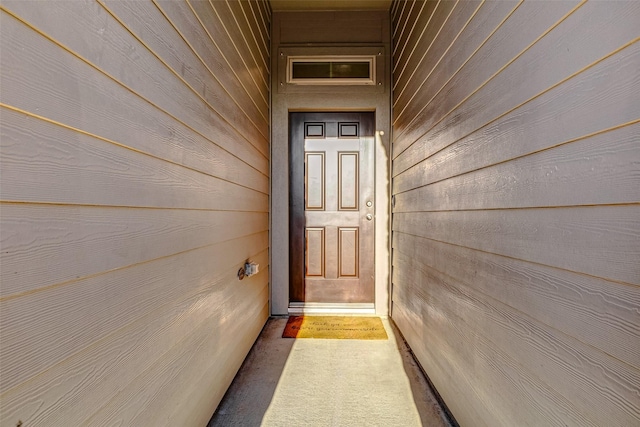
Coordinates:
(335, 327)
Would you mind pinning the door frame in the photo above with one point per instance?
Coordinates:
(279, 212)
(284, 100)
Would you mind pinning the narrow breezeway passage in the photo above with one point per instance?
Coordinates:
(329, 382)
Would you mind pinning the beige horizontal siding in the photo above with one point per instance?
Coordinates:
(516, 219)
(135, 183)
(80, 80)
(211, 16)
(214, 52)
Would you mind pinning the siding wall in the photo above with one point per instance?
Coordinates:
(135, 183)
(516, 223)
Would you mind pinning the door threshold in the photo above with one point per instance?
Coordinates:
(320, 308)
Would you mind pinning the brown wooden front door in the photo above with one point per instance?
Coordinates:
(331, 207)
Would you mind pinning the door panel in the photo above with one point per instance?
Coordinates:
(314, 181)
(348, 168)
(348, 248)
(331, 205)
(315, 252)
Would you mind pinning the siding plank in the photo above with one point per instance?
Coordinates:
(418, 18)
(115, 299)
(483, 24)
(399, 23)
(135, 181)
(449, 346)
(260, 59)
(568, 238)
(431, 10)
(558, 53)
(90, 101)
(209, 51)
(147, 22)
(42, 159)
(606, 172)
(204, 394)
(597, 312)
(91, 378)
(264, 12)
(116, 52)
(32, 236)
(434, 43)
(511, 39)
(586, 104)
(132, 406)
(395, 6)
(516, 226)
(218, 35)
(445, 364)
(585, 376)
(237, 39)
(261, 38)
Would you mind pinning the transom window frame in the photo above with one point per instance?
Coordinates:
(281, 60)
(368, 59)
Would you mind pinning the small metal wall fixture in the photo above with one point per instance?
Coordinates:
(248, 270)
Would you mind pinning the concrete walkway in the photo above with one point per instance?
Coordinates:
(307, 382)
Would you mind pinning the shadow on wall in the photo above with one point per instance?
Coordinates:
(429, 408)
(254, 386)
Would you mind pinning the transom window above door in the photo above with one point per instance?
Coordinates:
(331, 70)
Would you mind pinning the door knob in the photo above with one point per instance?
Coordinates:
(369, 217)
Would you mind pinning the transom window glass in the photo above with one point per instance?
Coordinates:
(331, 70)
